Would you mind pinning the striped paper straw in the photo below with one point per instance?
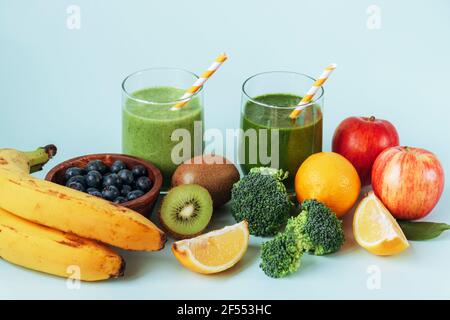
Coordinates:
(201, 81)
(310, 94)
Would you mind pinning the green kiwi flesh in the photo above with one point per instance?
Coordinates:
(186, 211)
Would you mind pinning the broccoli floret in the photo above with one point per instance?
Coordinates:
(261, 199)
(281, 255)
(316, 230)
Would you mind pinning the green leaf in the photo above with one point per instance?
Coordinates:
(419, 231)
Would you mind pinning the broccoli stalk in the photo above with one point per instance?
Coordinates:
(261, 199)
(316, 230)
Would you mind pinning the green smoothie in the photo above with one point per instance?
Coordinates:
(297, 141)
(147, 127)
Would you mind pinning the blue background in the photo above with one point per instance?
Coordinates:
(63, 86)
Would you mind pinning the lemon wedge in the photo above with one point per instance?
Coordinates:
(376, 230)
(214, 251)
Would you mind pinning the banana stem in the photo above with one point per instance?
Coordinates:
(39, 157)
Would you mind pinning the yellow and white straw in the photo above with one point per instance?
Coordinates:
(310, 94)
(201, 81)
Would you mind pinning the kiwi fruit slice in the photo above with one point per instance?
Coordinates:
(186, 211)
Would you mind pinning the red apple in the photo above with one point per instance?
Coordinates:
(361, 140)
(409, 181)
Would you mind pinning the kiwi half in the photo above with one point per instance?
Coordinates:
(186, 211)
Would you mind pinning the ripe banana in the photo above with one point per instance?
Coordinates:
(68, 210)
(28, 162)
(51, 251)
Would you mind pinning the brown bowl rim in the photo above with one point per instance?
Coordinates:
(151, 194)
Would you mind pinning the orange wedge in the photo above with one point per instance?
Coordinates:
(214, 251)
(376, 230)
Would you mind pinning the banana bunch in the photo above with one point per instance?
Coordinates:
(36, 247)
(50, 228)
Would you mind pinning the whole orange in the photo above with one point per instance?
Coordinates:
(329, 178)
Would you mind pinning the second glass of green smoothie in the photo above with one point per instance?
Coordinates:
(267, 100)
(148, 120)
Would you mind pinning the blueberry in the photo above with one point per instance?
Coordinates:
(110, 193)
(126, 176)
(74, 171)
(117, 166)
(77, 186)
(79, 179)
(94, 192)
(126, 189)
(97, 165)
(139, 171)
(112, 180)
(144, 184)
(134, 195)
(120, 199)
(94, 179)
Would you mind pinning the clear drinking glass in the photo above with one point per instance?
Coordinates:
(151, 130)
(270, 137)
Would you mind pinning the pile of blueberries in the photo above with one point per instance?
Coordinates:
(116, 183)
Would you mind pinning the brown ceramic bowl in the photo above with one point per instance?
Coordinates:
(143, 205)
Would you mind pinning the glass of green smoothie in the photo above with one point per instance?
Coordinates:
(269, 137)
(151, 129)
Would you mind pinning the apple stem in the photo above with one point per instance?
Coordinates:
(372, 118)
